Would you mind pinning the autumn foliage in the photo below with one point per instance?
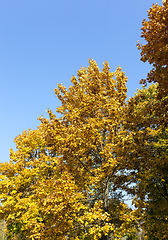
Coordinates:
(59, 182)
(155, 130)
(147, 167)
(155, 51)
(67, 178)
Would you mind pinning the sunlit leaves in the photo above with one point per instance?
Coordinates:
(154, 145)
(146, 160)
(60, 181)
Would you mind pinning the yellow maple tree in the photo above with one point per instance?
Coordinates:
(155, 51)
(146, 168)
(59, 182)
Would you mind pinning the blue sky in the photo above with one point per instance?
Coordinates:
(45, 42)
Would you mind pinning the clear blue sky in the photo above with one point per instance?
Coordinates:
(45, 42)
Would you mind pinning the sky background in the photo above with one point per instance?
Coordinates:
(45, 42)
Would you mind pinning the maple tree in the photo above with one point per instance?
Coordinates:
(59, 182)
(65, 179)
(155, 51)
(146, 168)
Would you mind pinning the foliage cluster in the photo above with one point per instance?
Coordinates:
(66, 179)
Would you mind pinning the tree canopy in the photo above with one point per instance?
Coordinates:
(146, 156)
(67, 178)
(59, 182)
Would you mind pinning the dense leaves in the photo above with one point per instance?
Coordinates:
(67, 178)
(154, 130)
(59, 182)
(146, 163)
(155, 51)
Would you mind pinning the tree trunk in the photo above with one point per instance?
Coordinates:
(105, 198)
